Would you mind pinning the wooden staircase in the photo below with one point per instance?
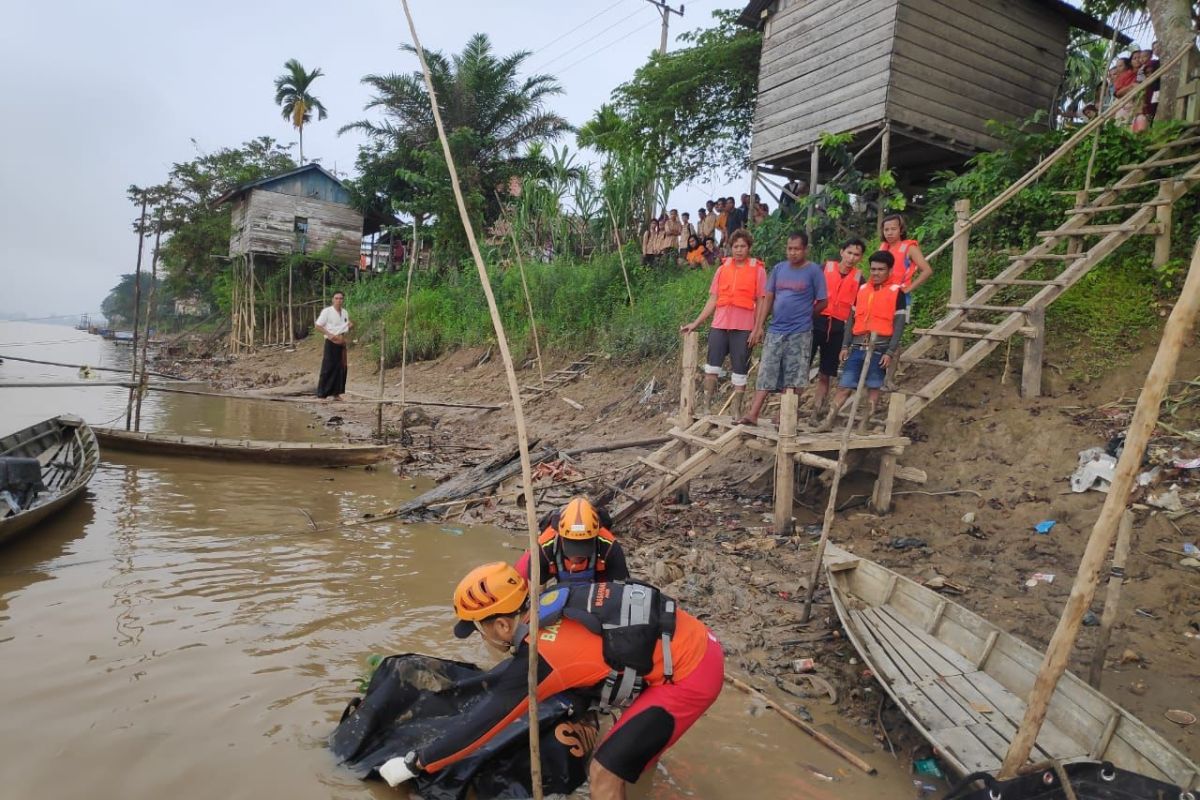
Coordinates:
(973, 329)
(560, 378)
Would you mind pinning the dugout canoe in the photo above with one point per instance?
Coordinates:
(309, 454)
(43, 469)
(963, 682)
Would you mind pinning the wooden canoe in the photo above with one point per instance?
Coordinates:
(66, 453)
(312, 454)
(962, 681)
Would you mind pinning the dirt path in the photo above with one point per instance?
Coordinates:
(1011, 458)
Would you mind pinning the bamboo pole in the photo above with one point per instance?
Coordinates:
(1145, 417)
(537, 347)
(885, 153)
(137, 302)
(821, 737)
(535, 749)
(404, 339)
(1112, 597)
(81, 366)
(814, 575)
(382, 373)
(1040, 168)
(142, 378)
(620, 251)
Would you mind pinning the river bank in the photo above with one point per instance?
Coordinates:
(987, 452)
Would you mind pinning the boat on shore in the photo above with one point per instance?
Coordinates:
(43, 468)
(963, 682)
(308, 454)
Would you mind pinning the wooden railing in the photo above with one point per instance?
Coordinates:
(1066, 147)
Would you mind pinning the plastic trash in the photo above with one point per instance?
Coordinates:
(1039, 577)
(1096, 470)
(1045, 525)
(1090, 619)
(928, 766)
(1190, 549)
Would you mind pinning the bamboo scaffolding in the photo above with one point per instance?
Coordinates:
(1054, 663)
(535, 750)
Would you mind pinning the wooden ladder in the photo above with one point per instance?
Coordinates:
(1026, 316)
(560, 378)
(703, 452)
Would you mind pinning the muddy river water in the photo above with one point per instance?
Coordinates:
(183, 633)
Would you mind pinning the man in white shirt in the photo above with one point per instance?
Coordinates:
(334, 324)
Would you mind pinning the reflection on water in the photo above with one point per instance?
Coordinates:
(182, 632)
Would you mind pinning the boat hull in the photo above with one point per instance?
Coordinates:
(68, 450)
(315, 454)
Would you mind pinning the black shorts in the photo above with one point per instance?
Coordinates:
(735, 344)
(827, 340)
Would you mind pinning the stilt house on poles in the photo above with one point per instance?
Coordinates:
(306, 211)
(915, 81)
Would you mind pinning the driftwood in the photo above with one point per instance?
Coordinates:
(608, 447)
(475, 481)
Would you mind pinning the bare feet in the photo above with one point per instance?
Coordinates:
(746, 421)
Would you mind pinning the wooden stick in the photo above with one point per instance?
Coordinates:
(404, 335)
(814, 575)
(535, 583)
(382, 372)
(822, 738)
(137, 303)
(609, 447)
(142, 377)
(1054, 663)
(81, 366)
(1112, 597)
(620, 251)
(537, 347)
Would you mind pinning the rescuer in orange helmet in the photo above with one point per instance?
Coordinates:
(577, 546)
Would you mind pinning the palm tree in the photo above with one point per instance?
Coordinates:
(492, 117)
(293, 98)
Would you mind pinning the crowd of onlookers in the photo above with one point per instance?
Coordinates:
(1126, 73)
(674, 237)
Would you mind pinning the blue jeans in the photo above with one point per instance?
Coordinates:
(853, 368)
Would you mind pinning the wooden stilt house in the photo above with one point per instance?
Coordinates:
(915, 81)
(305, 211)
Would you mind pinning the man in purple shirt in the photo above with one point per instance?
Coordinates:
(795, 293)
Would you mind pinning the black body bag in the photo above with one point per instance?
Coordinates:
(412, 699)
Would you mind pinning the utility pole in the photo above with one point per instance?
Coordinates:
(665, 11)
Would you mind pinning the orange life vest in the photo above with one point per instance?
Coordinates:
(902, 270)
(605, 540)
(737, 286)
(875, 309)
(841, 289)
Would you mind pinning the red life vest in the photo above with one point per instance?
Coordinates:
(902, 270)
(875, 309)
(841, 289)
(738, 285)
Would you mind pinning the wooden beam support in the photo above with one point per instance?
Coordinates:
(1031, 368)
(687, 400)
(785, 466)
(1162, 242)
(1112, 599)
(881, 497)
(958, 273)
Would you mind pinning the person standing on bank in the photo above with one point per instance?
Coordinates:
(334, 324)
(910, 269)
(842, 280)
(738, 287)
(795, 295)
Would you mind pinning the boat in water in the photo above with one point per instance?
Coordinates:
(963, 683)
(44, 468)
(311, 454)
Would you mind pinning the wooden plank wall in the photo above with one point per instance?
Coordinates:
(264, 222)
(824, 69)
(959, 63)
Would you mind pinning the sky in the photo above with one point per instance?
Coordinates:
(99, 96)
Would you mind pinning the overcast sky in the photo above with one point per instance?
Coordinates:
(101, 95)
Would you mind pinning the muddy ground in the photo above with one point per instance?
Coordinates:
(1006, 459)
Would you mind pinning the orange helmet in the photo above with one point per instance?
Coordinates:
(486, 591)
(579, 521)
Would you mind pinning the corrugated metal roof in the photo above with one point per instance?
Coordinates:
(232, 193)
(752, 17)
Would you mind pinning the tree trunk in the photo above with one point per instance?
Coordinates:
(1172, 21)
(301, 129)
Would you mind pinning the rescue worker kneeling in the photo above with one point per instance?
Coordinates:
(626, 642)
(576, 546)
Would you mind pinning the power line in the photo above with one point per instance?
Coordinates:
(577, 27)
(622, 20)
(604, 47)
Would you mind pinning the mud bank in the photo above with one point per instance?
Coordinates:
(1007, 461)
